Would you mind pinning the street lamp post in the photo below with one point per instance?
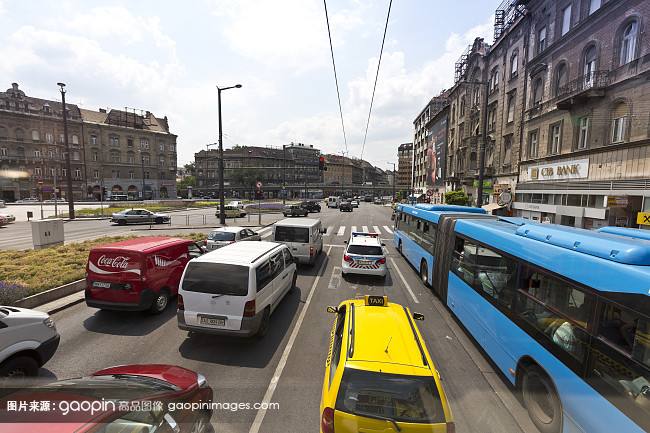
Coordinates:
(222, 199)
(143, 181)
(393, 180)
(67, 152)
(284, 174)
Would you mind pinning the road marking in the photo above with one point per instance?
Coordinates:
(365, 228)
(354, 228)
(335, 279)
(341, 231)
(334, 246)
(329, 231)
(376, 229)
(415, 299)
(259, 417)
(388, 230)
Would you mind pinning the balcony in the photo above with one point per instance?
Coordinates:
(587, 86)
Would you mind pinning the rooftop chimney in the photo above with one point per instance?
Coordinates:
(102, 110)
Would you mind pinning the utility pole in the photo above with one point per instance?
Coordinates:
(393, 180)
(67, 152)
(222, 199)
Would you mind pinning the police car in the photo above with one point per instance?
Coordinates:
(364, 255)
(379, 376)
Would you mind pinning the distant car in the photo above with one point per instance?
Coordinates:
(27, 200)
(311, 206)
(135, 216)
(294, 210)
(2, 203)
(28, 339)
(229, 235)
(9, 217)
(345, 206)
(3, 221)
(354, 203)
(163, 397)
(378, 201)
(58, 200)
(231, 212)
(237, 204)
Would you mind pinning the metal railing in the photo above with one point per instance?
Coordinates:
(592, 80)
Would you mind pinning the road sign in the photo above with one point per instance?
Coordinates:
(429, 192)
(258, 185)
(643, 218)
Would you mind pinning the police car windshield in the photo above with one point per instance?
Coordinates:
(403, 398)
(365, 250)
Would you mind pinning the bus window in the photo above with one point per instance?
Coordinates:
(556, 309)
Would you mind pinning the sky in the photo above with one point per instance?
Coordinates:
(167, 57)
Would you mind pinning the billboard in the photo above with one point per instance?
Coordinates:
(437, 151)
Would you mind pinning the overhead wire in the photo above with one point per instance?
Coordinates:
(374, 87)
(336, 80)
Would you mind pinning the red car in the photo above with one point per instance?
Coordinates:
(127, 398)
(137, 274)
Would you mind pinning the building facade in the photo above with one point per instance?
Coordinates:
(128, 153)
(342, 171)
(109, 151)
(436, 154)
(420, 141)
(586, 157)
(404, 167)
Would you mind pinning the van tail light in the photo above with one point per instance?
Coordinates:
(327, 420)
(249, 308)
(381, 261)
(451, 427)
(180, 303)
(347, 258)
(311, 251)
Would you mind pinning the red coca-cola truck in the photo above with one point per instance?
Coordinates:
(137, 274)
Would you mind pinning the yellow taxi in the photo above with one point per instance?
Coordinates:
(379, 376)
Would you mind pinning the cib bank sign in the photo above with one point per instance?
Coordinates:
(575, 169)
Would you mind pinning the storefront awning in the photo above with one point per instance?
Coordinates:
(490, 207)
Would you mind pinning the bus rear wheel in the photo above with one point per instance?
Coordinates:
(424, 273)
(541, 400)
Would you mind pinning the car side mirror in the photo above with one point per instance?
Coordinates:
(331, 309)
(345, 242)
(418, 316)
(172, 423)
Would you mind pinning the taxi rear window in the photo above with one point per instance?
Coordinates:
(402, 398)
(366, 250)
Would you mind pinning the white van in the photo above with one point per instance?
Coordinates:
(333, 201)
(303, 236)
(234, 290)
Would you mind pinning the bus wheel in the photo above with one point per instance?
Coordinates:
(399, 248)
(424, 273)
(541, 400)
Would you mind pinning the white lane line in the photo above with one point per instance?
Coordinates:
(259, 417)
(376, 229)
(334, 246)
(354, 228)
(365, 228)
(415, 299)
(388, 230)
(329, 231)
(341, 231)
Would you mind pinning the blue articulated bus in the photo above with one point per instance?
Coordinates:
(564, 313)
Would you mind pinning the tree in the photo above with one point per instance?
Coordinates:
(188, 181)
(190, 168)
(456, 197)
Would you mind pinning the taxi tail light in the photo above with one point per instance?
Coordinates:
(382, 261)
(249, 308)
(180, 304)
(327, 420)
(347, 258)
(451, 427)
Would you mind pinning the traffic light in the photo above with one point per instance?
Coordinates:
(321, 163)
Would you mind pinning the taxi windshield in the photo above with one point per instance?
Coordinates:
(365, 250)
(403, 398)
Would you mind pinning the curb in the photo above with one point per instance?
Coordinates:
(64, 306)
(51, 295)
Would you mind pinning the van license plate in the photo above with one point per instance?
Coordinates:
(102, 284)
(212, 321)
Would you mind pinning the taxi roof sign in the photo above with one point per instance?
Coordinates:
(375, 301)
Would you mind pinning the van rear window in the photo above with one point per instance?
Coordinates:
(292, 234)
(402, 398)
(216, 278)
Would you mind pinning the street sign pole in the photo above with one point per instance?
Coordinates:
(56, 199)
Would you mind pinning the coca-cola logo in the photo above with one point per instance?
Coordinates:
(119, 262)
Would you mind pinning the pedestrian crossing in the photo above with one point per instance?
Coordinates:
(266, 232)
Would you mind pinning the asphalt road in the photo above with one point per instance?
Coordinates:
(287, 366)
(18, 235)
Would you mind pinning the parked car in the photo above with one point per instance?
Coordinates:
(303, 236)
(234, 290)
(9, 217)
(294, 210)
(345, 206)
(354, 203)
(135, 216)
(231, 212)
(27, 200)
(137, 274)
(164, 394)
(311, 206)
(378, 201)
(28, 339)
(229, 235)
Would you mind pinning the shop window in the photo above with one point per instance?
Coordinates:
(573, 200)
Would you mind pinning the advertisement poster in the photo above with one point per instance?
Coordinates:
(437, 152)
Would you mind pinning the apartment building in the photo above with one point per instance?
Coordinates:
(404, 167)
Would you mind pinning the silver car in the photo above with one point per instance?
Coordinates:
(135, 216)
(228, 235)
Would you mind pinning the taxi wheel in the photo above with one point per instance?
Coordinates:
(264, 324)
(541, 400)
